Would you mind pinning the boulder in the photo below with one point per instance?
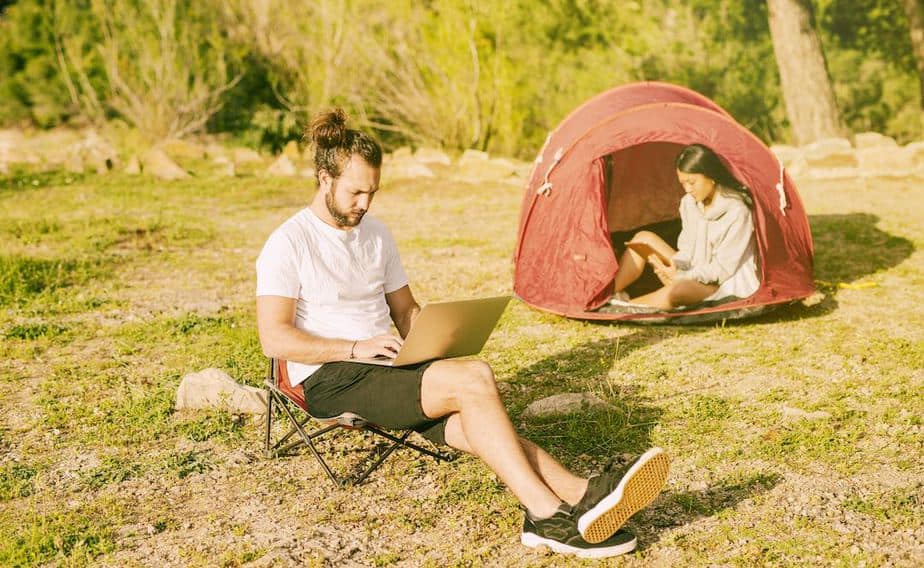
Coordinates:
(786, 154)
(473, 156)
(100, 154)
(225, 167)
(400, 153)
(282, 167)
(134, 165)
(157, 163)
(184, 149)
(245, 156)
(407, 168)
(566, 403)
(873, 140)
(830, 158)
(432, 156)
(74, 163)
(885, 161)
(307, 173)
(915, 153)
(214, 150)
(480, 171)
(213, 388)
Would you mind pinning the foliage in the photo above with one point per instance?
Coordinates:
(480, 74)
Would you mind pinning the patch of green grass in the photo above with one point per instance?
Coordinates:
(32, 331)
(113, 469)
(213, 425)
(184, 464)
(899, 506)
(22, 278)
(16, 480)
(22, 178)
(63, 536)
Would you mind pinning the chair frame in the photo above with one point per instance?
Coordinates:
(276, 396)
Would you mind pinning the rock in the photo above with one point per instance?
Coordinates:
(402, 152)
(473, 156)
(225, 167)
(282, 167)
(915, 152)
(93, 152)
(884, 161)
(214, 150)
(873, 140)
(565, 403)
(432, 156)
(790, 414)
(74, 163)
(291, 150)
(184, 149)
(134, 165)
(157, 163)
(786, 154)
(407, 168)
(479, 171)
(830, 158)
(307, 173)
(245, 156)
(213, 388)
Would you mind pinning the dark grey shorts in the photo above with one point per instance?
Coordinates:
(386, 396)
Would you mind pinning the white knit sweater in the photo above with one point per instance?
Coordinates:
(717, 245)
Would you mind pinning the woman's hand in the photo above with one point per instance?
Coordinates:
(378, 346)
(664, 272)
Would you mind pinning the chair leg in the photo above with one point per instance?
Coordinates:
(267, 447)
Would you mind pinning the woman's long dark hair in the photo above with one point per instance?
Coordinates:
(699, 159)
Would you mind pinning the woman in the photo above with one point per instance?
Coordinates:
(717, 256)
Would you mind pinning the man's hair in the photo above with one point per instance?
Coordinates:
(334, 143)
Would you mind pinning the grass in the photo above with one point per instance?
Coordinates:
(113, 288)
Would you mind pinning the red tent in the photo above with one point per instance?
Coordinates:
(609, 168)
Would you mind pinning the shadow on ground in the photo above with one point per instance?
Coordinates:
(848, 248)
(674, 509)
(589, 435)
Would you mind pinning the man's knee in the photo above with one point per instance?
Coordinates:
(476, 380)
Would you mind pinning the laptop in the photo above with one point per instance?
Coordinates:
(444, 330)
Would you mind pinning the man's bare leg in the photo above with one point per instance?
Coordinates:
(468, 389)
(567, 486)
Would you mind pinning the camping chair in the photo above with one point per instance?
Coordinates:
(291, 401)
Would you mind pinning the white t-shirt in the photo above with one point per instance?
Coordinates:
(339, 278)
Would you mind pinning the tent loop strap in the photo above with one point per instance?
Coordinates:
(546, 187)
(780, 189)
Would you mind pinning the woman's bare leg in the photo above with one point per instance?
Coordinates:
(631, 264)
(677, 293)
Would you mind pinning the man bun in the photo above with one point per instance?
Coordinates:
(328, 129)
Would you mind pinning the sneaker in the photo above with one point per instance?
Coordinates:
(559, 532)
(617, 494)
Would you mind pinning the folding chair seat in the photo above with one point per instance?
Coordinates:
(291, 401)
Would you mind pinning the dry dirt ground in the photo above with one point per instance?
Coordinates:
(796, 438)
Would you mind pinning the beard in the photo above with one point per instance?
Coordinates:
(342, 218)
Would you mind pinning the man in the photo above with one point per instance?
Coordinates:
(329, 286)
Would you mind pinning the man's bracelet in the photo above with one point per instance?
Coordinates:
(352, 347)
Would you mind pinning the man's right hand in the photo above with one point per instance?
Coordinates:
(378, 346)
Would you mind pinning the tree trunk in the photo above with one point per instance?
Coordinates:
(914, 9)
(807, 91)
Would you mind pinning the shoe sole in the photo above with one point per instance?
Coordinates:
(639, 487)
(533, 540)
